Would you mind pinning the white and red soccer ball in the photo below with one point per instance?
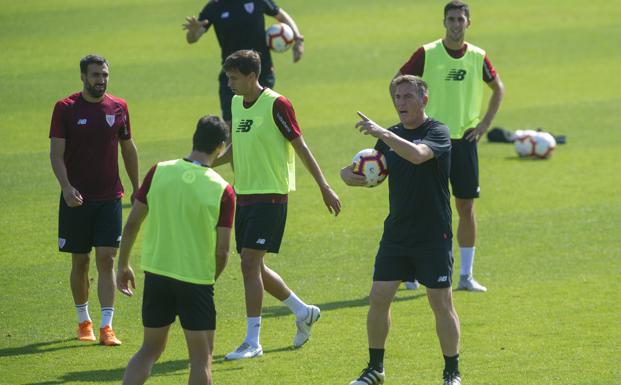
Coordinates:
(279, 37)
(537, 144)
(371, 164)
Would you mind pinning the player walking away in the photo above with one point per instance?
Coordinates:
(189, 212)
(456, 71)
(239, 24)
(265, 136)
(86, 130)
(417, 238)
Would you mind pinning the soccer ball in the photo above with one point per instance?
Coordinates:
(279, 37)
(371, 164)
(537, 144)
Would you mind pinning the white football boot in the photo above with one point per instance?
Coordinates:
(469, 284)
(244, 350)
(304, 326)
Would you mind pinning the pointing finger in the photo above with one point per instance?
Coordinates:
(363, 116)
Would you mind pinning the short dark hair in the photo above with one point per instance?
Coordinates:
(420, 84)
(245, 61)
(91, 59)
(210, 132)
(456, 4)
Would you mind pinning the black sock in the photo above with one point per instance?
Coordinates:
(376, 359)
(451, 364)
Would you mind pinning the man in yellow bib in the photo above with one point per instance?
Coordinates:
(265, 136)
(455, 72)
(189, 212)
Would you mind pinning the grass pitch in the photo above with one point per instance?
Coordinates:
(548, 247)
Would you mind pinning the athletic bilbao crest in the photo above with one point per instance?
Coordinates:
(110, 120)
(249, 7)
(61, 242)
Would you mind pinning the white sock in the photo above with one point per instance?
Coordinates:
(297, 306)
(467, 260)
(253, 329)
(106, 316)
(83, 312)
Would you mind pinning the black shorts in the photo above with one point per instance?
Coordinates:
(165, 298)
(92, 224)
(431, 265)
(464, 169)
(260, 226)
(266, 79)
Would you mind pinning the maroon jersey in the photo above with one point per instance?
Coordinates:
(227, 204)
(92, 132)
(284, 117)
(416, 64)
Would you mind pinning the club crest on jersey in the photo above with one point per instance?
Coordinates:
(249, 7)
(110, 120)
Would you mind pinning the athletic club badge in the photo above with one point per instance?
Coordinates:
(249, 7)
(110, 120)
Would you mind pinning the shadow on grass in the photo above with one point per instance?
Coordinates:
(277, 311)
(39, 347)
(160, 369)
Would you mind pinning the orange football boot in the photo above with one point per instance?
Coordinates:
(107, 337)
(85, 332)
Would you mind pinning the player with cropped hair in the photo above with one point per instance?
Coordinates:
(456, 72)
(417, 237)
(266, 136)
(86, 132)
(189, 211)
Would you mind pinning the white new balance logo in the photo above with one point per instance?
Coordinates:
(81, 122)
(261, 241)
(442, 278)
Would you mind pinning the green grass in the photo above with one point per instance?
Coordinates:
(548, 248)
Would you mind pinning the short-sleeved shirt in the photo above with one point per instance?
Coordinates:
(420, 209)
(239, 24)
(227, 203)
(416, 64)
(92, 132)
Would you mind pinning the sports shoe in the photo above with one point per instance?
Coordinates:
(369, 376)
(412, 285)
(107, 337)
(304, 327)
(451, 378)
(85, 332)
(469, 284)
(245, 350)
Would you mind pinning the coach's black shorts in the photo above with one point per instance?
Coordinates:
(260, 226)
(464, 169)
(165, 298)
(266, 79)
(92, 224)
(431, 265)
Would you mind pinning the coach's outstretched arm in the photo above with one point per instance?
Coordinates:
(415, 153)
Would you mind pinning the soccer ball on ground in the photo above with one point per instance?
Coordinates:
(371, 164)
(538, 144)
(279, 37)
